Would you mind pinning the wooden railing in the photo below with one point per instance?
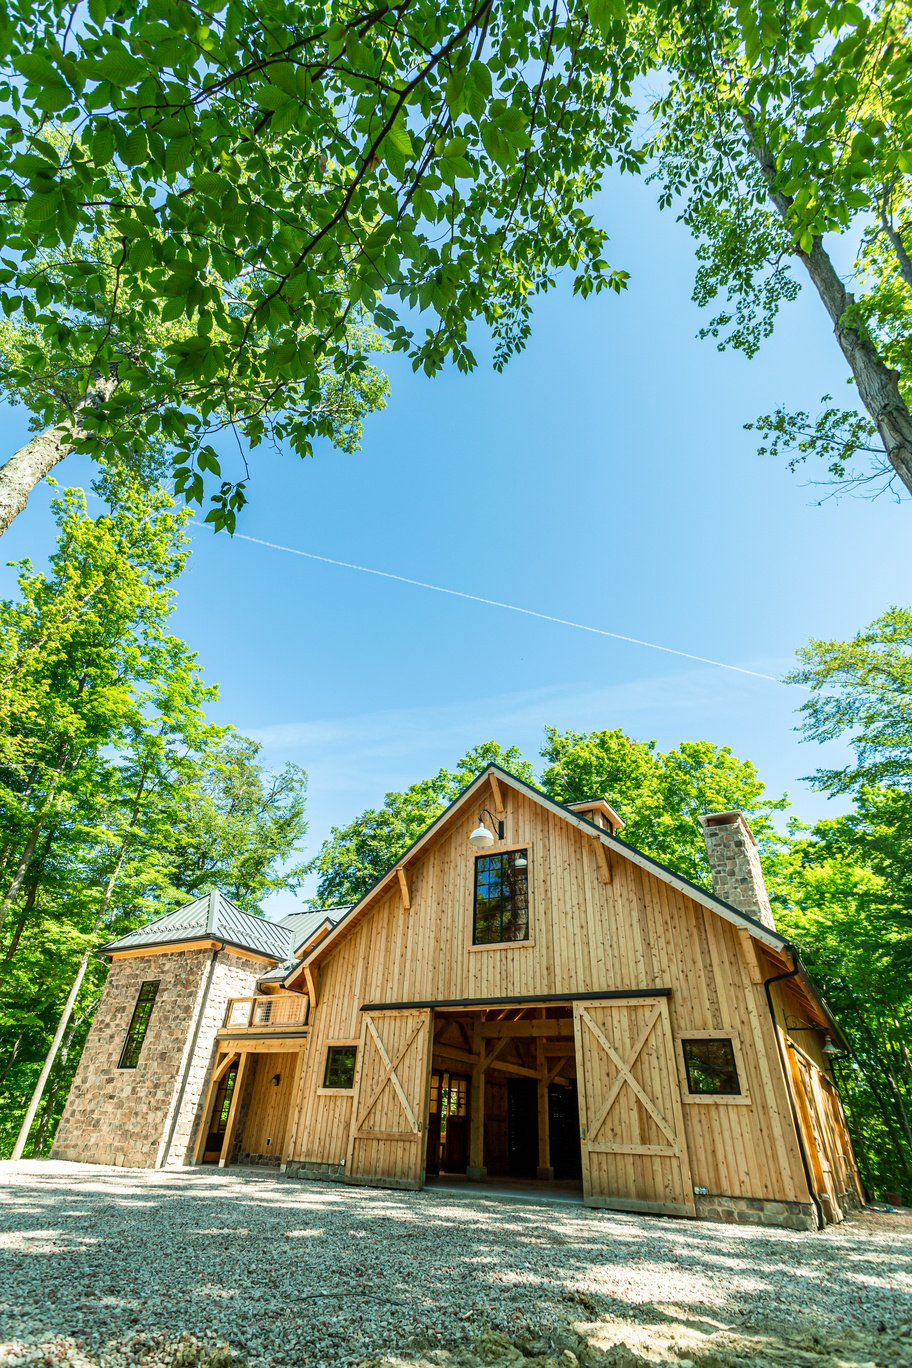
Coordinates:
(278, 1010)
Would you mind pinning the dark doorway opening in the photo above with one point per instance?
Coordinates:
(218, 1117)
(522, 1124)
(564, 1131)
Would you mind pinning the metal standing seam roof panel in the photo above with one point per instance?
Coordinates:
(214, 917)
(302, 925)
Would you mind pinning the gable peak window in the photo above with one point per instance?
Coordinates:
(501, 898)
(139, 1024)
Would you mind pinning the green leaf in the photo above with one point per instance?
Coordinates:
(400, 138)
(102, 145)
(272, 97)
(38, 69)
(602, 13)
(284, 75)
(178, 154)
(141, 254)
(173, 308)
(119, 67)
(42, 207)
(135, 148)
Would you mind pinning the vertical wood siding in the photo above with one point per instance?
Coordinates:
(586, 936)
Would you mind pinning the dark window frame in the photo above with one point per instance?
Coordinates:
(332, 1053)
(688, 1050)
(505, 917)
(139, 1024)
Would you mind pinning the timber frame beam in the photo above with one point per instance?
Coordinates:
(532, 999)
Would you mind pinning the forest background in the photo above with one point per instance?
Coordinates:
(605, 478)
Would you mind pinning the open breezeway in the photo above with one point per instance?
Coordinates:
(112, 1266)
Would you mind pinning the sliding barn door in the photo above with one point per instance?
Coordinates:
(387, 1141)
(631, 1117)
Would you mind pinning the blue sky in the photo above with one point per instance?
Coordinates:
(606, 478)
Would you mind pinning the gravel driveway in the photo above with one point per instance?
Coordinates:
(205, 1267)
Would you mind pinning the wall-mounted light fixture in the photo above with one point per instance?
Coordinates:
(481, 838)
(829, 1048)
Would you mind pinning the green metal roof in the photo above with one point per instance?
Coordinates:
(211, 917)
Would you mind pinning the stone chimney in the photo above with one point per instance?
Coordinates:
(736, 873)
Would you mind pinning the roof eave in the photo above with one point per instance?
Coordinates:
(740, 919)
(226, 943)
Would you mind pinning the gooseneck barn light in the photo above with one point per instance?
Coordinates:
(481, 838)
(829, 1048)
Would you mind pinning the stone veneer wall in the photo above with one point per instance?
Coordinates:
(124, 1116)
(756, 1211)
(235, 976)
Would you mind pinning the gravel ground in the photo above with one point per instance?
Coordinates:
(208, 1269)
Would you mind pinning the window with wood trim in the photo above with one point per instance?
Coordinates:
(501, 898)
(340, 1066)
(139, 1024)
(711, 1068)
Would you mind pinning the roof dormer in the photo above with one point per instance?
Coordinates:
(599, 811)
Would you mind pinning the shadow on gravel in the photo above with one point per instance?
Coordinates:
(115, 1267)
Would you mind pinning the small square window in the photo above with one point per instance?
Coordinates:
(711, 1068)
(501, 898)
(139, 1024)
(340, 1066)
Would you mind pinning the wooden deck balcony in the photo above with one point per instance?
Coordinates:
(284, 1012)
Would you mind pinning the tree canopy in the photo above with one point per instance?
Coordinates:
(660, 795)
(861, 692)
(119, 800)
(784, 137)
(208, 216)
(211, 218)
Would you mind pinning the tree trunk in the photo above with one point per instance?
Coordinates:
(899, 247)
(70, 1003)
(11, 1057)
(62, 1024)
(31, 897)
(30, 464)
(878, 386)
(44, 1123)
(39, 456)
(25, 858)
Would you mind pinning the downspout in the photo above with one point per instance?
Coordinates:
(787, 1074)
(192, 1053)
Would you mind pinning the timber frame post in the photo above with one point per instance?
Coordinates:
(545, 1171)
(476, 1167)
(236, 1095)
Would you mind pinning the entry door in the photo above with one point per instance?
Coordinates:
(218, 1116)
(631, 1119)
(387, 1140)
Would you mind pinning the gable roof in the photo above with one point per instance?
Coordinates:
(700, 895)
(303, 926)
(212, 917)
(739, 919)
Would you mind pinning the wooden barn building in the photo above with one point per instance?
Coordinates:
(523, 996)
